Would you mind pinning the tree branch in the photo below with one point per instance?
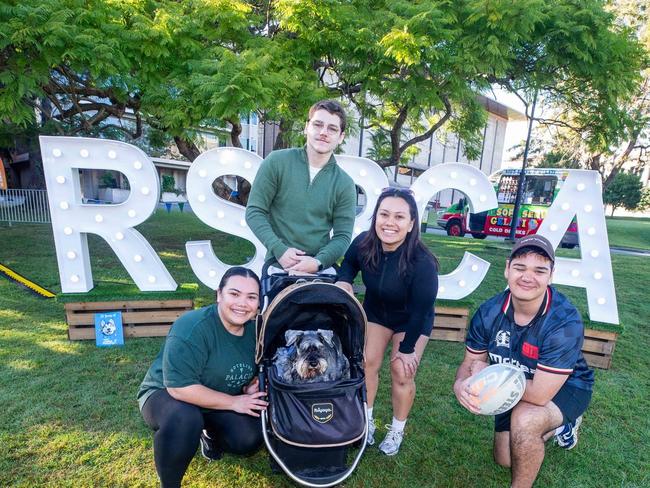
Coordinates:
(432, 129)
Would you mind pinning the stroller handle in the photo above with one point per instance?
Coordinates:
(321, 481)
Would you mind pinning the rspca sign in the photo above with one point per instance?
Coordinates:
(73, 220)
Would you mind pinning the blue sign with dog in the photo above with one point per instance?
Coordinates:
(108, 329)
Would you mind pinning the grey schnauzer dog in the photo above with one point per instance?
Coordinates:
(311, 356)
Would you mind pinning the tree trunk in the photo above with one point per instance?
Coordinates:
(282, 138)
(187, 148)
(396, 136)
(235, 132)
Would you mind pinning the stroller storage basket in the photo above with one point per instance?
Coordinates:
(325, 414)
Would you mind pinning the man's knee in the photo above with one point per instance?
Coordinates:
(527, 420)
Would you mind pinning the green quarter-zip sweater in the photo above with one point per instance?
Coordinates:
(286, 210)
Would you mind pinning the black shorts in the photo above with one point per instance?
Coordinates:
(425, 330)
(571, 401)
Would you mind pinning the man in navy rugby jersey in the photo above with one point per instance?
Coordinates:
(536, 328)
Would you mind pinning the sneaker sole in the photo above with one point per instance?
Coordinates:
(389, 453)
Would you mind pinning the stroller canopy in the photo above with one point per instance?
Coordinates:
(312, 306)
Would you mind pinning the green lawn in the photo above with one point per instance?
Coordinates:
(69, 415)
(629, 232)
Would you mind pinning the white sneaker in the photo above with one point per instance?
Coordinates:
(568, 438)
(371, 432)
(390, 444)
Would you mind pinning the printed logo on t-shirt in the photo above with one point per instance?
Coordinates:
(239, 375)
(498, 359)
(530, 351)
(503, 338)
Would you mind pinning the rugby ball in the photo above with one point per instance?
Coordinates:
(499, 387)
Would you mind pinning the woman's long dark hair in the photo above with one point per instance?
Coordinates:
(370, 246)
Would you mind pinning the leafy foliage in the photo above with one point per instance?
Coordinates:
(168, 184)
(110, 69)
(644, 202)
(624, 191)
(107, 69)
(412, 68)
(107, 180)
(605, 126)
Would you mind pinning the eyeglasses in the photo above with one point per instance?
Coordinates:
(397, 191)
(332, 130)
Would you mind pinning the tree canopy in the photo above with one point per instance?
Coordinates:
(412, 68)
(160, 69)
(605, 132)
(624, 191)
(172, 66)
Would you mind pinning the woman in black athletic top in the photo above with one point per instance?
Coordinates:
(401, 279)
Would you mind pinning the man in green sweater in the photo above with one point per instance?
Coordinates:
(300, 195)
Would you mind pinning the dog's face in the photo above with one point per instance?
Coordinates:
(315, 352)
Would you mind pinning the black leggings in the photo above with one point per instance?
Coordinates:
(177, 428)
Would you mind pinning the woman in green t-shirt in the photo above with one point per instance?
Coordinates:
(202, 389)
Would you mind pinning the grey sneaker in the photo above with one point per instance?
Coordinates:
(568, 438)
(208, 449)
(390, 444)
(371, 432)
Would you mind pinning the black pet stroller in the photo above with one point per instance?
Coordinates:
(309, 428)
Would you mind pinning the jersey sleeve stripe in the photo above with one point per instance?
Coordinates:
(506, 303)
(550, 369)
(475, 351)
(548, 300)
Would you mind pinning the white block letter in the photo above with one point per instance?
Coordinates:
(72, 220)
(481, 197)
(371, 178)
(219, 213)
(581, 196)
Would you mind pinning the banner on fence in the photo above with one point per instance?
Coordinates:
(3, 175)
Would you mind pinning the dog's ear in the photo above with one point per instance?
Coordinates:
(291, 336)
(327, 335)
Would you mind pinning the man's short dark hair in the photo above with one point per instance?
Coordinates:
(523, 251)
(333, 107)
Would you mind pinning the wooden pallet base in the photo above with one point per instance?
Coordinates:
(598, 348)
(450, 324)
(140, 318)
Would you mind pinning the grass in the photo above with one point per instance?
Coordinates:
(69, 415)
(629, 232)
(626, 232)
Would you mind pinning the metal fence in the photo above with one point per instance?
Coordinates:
(29, 206)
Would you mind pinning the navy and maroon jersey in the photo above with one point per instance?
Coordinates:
(552, 342)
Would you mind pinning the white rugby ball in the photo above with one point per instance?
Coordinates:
(499, 387)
